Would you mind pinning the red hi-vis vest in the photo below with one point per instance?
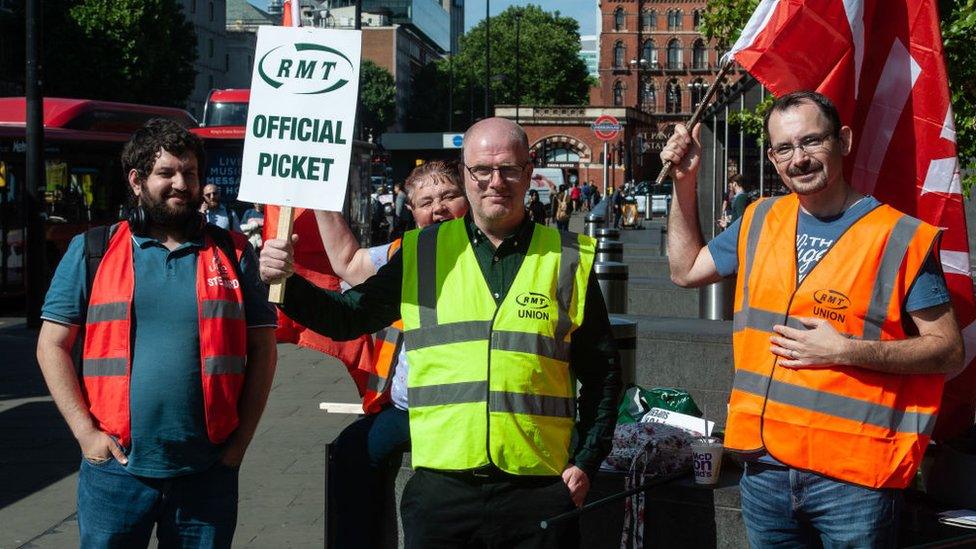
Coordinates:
(852, 424)
(386, 348)
(107, 357)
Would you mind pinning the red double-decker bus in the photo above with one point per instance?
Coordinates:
(84, 184)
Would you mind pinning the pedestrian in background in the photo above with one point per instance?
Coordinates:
(177, 361)
(576, 196)
(537, 210)
(561, 208)
(217, 213)
(459, 287)
(846, 335)
(587, 192)
(741, 198)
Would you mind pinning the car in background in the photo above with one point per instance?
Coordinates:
(660, 197)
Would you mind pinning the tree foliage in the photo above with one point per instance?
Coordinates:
(118, 50)
(724, 20)
(377, 98)
(546, 67)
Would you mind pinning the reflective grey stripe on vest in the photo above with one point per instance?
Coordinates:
(95, 367)
(216, 365)
(427, 275)
(884, 283)
(389, 335)
(498, 401)
(831, 404)
(213, 308)
(534, 344)
(762, 320)
(752, 242)
(105, 312)
(448, 393)
(569, 261)
(376, 383)
(445, 334)
(536, 405)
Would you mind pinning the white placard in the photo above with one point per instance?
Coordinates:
(301, 117)
(452, 140)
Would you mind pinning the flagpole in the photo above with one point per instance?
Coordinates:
(699, 110)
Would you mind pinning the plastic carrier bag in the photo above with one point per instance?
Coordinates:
(637, 401)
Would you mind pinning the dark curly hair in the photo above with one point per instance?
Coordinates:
(157, 135)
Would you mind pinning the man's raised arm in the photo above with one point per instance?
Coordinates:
(690, 261)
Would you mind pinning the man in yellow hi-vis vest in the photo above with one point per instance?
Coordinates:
(501, 319)
(842, 335)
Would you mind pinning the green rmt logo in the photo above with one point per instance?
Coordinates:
(313, 69)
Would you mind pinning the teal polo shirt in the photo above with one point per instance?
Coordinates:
(169, 436)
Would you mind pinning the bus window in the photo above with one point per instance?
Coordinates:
(226, 114)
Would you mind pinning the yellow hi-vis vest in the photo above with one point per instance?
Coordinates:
(491, 384)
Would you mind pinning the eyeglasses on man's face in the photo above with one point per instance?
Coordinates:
(810, 144)
(508, 172)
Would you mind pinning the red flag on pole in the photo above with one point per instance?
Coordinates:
(881, 63)
(312, 263)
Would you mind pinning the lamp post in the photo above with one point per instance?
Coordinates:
(487, 54)
(34, 261)
(518, 66)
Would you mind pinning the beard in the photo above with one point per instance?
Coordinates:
(817, 184)
(163, 215)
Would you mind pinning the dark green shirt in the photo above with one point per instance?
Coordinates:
(375, 304)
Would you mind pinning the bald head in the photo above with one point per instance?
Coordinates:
(498, 132)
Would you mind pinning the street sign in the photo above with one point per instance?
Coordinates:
(606, 127)
(298, 140)
(452, 140)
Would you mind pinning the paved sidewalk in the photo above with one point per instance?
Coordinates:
(282, 478)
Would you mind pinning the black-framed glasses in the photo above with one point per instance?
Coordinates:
(482, 174)
(809, 144)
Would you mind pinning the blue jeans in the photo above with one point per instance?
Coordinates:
(118, 509)
(784, 507)
(359, 457)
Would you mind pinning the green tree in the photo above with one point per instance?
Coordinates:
(377, 98)
(119, 50)
(550, 71)
(724, 20)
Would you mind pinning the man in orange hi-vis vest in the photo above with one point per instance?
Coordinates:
(178, 356)
(434, 194)
(842, 336)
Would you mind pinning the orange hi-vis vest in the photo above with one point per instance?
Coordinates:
(852, 424)
(107, 356)
(386, 348)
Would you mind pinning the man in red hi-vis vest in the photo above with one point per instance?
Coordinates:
(842, 336)
(178, 356)
(434, 194)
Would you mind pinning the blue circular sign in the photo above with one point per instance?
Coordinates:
(458, 140)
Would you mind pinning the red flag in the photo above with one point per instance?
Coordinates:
(291, 14)
(881, 63)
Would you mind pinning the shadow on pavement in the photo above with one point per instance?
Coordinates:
(36, 446)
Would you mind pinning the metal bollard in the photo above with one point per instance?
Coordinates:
(715, 300)
(592, 223)
(612, 277)
(608, 233)
(609, 250)
(625, 335)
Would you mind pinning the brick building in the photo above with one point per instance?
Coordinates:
(653, 57)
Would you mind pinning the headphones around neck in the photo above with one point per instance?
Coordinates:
(140, 222)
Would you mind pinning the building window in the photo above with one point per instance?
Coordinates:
(699, 55)
(698, 89)
(619, 53)
(697, 18)
(649, 53)
(674, 19)
(561, 154)
(649, 98)
(649, 20)
(673, 99)
(674, 54)
(618, 19)
(618, 94)
(211, 11)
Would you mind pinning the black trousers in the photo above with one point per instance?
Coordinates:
(461, 510)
